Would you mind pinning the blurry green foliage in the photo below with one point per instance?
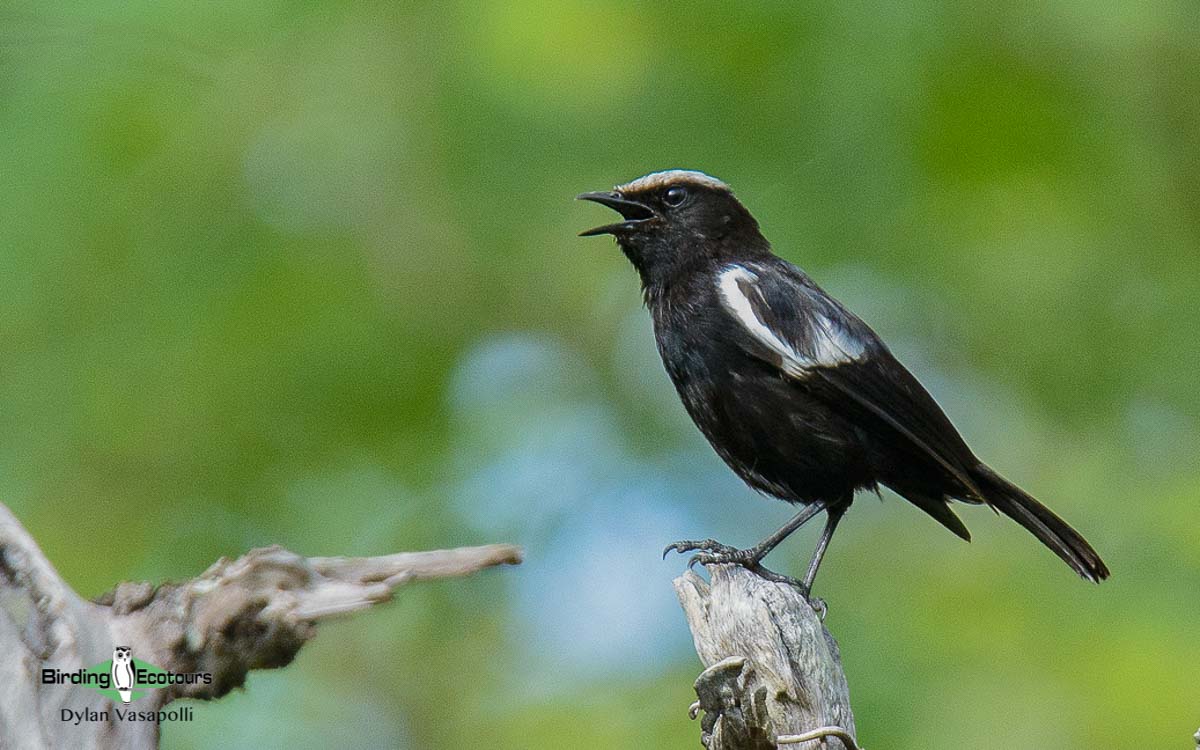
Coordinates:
(247, 248)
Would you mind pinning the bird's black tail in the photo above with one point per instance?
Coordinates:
(1051, 530)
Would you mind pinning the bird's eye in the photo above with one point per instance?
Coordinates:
(675, 196)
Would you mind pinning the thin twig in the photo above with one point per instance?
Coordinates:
(816, 734)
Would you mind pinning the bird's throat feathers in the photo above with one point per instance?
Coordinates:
(664, 263)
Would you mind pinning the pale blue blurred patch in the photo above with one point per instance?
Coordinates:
(644, 382)
(596, 601)
(531, 441)
(508, 367)
(544, 461)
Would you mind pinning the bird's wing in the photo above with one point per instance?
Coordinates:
(789, 326)
(810, 337)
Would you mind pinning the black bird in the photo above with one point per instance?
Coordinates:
(797, 394)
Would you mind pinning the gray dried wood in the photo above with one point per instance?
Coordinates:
(773, 672)
(254, 612)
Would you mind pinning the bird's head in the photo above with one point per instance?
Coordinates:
(674, 219)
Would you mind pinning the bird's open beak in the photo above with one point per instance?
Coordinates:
(635, 213)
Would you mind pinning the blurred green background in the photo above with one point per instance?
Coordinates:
(305, 273)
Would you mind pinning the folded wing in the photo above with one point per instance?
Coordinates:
(826, 349)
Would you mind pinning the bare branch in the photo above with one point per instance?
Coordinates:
(250, 613)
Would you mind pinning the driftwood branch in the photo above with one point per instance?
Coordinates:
(773, 673)
(250, 613)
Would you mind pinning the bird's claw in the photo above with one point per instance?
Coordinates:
(704, 545)
(818, 605)
(712, 552)
(736, 557)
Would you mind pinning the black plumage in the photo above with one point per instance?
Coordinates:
(794, 392)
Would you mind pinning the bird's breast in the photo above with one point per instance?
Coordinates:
(776, 436)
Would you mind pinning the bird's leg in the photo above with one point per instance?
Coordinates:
(760, 550)
(712, 552)
(831, 521)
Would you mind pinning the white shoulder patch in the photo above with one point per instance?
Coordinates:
(671, 177)
(732, 282)
(829, 346)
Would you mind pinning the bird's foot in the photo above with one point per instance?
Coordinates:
(818, 606)
(712, 552)
(709, 546)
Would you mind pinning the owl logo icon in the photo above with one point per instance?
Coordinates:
(122, 672)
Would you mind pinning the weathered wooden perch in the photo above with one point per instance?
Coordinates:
(250, 613)
(773, 672)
